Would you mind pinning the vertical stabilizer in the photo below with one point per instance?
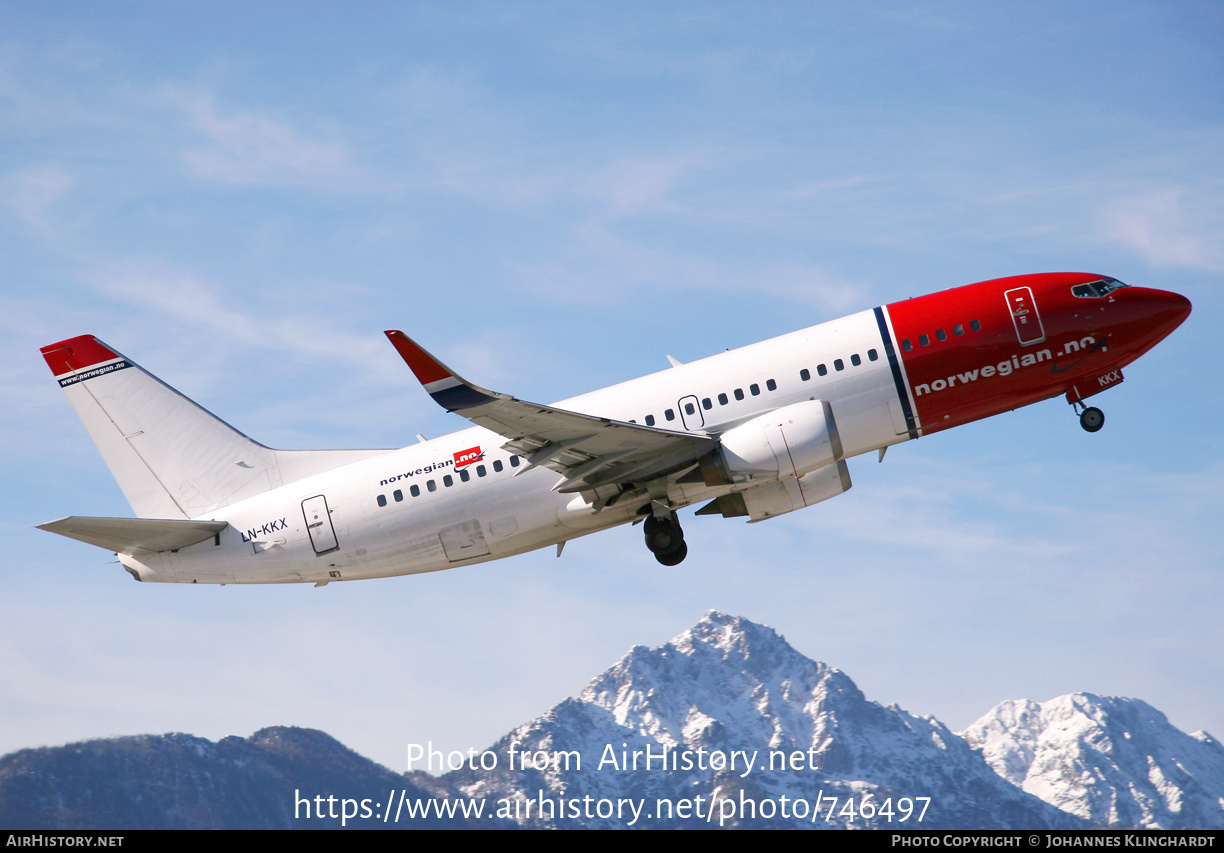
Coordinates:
(171, 458)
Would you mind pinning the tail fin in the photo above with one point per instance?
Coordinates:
(171, 458)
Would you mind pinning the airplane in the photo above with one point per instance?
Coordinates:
(755, 433)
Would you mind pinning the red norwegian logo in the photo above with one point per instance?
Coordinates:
(471, 456)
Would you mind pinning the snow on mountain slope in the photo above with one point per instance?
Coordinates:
(728, 686)
(1115, 762)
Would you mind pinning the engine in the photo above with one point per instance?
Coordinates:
(777, 463)
(784, 444)
(762, 502)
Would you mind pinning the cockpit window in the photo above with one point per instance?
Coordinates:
(1096, 289)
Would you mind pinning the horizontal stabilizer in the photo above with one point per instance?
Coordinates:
(127, 535)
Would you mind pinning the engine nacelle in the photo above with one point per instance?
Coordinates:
(786, 443)
(774, 499)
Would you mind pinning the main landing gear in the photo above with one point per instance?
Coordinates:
(665, 539)
(1091, 418)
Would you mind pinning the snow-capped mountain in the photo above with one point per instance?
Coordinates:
(724, 726)
(1115, 762)
(733, 688)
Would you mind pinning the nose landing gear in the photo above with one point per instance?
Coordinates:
(665, 539)
(1091, 418)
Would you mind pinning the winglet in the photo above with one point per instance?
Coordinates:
(449, 390)
(427, 368)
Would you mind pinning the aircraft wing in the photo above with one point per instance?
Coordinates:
(589, 451)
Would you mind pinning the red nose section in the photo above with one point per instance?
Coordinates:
(1169, 310)
(1180, 304)
(1143, 318)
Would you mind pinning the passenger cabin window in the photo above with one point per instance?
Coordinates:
(481, 471)
(415, 491)
(464, 475)
(838, 364)
(398, 495)
(650, 420)
(669, 414)
(497, 465)
(448, 481)
(958, 330)
(771, 385)
(924, 340)
(975, 325)
(822, 370)
(739, 393)
(707, 403)
(514, 461)
(722, 399)
(941, 335)
(872, 355)
(431, 485)
(907, 345)
(382, 500)
(755, 389)
(855, 360)
(690, 409)
(805, 375)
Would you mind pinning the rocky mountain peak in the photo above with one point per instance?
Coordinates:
(724, 668)
(1117, 762)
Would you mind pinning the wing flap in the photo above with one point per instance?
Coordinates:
(587, 449)
(127, 535)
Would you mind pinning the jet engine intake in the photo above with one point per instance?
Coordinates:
(784, 444)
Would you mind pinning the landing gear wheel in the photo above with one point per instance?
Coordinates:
(663, 536)
(674, 558)
(1092, 419)
(665, 539)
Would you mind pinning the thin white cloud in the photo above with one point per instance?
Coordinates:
(193, 303)
(1167, 227)
(633, 186)
(250, 149)
(823, 189)
(33, 192)
(807, 285)
(925, 519)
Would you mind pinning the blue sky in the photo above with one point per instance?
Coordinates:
(551, 197)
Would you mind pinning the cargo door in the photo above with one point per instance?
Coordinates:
(463, 541)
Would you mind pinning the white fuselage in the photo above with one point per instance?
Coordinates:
(381, 528)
